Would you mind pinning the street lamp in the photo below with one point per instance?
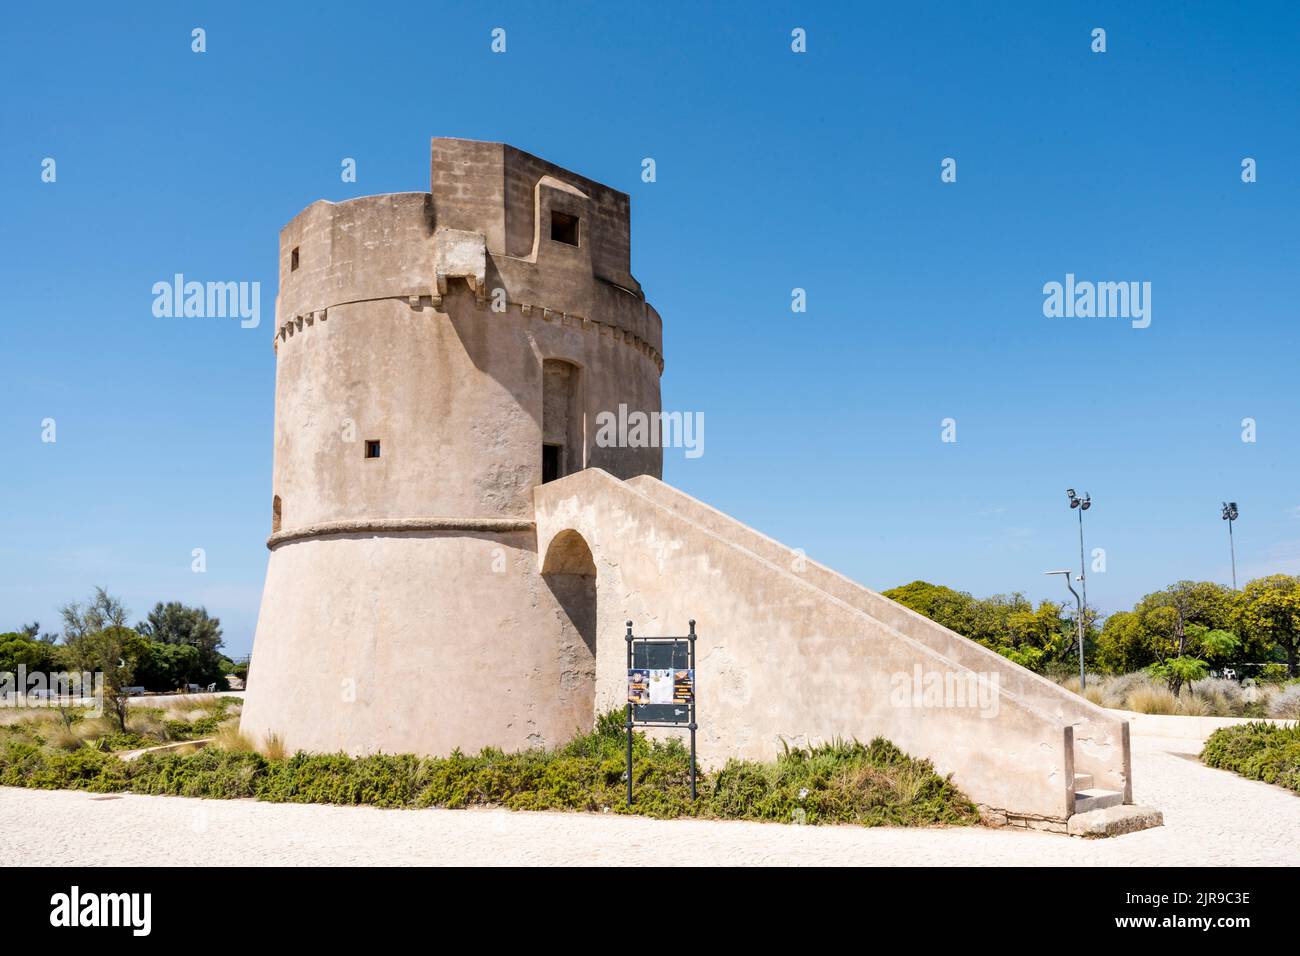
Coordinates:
(1081, 505)
(1083, 680)
(1230, 515)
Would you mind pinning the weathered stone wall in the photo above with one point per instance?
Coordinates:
(787, 654)
(1100, 741)
(409, 580)
(416, 643)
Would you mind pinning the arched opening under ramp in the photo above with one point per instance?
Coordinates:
(570, 573)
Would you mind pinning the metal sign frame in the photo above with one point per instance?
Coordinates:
(632, 722)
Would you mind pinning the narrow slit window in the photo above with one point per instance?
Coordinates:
(564, 228)
(551, 462)
(372, 448)
(293, 260)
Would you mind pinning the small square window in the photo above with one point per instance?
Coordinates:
(293, 260)
(564, 228)
(372, 448)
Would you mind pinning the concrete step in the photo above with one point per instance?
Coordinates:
(1082, 781)
(1094, 798)
(1114, 821)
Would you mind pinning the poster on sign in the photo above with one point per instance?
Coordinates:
(660, 685)
(683, 686)
(638, 686)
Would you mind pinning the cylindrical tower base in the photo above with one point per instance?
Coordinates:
(420, 642)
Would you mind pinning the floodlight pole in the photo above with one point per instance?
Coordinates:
(1230, 515)
(1083, 678)
(1232, 550)
(1083, 572)
(1081, 505)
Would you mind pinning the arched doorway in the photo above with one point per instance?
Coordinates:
(570, 573)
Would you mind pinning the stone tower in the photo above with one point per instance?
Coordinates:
(453, 553)
(438, 356)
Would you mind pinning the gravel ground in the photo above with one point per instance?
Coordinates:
(1212, 817)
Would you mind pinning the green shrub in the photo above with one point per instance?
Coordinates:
(380, 780)
(1272, 673)
(29, 765)
(839, 782)
(1260, 751)
(205, 773)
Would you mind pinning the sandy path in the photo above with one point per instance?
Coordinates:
(1212, 817)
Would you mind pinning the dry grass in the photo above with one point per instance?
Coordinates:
(1152, 699)
(1212, 697)
(179, 706)
(148, 724)
(9, 716)
(273, 747)
(1286, 703)
(230, 738)
(1192, 705)
(161, 722)
(44, 725)
(92, 728)
(58, 736)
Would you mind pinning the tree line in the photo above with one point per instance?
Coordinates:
(173, 647)
(1178, 634)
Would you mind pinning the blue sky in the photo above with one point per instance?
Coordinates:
(775, 170)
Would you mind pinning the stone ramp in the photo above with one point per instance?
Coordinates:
(1101, 746)
(786, 655)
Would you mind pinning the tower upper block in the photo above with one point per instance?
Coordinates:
(475, 333)
(513, 198)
